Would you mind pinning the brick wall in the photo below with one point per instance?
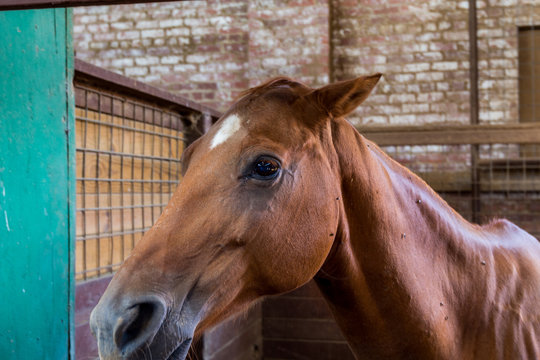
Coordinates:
(421, 47)
(197, 49)
(289, 38)
(208, 51)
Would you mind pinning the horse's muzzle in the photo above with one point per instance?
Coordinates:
(121, 329)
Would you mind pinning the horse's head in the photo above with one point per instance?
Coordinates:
(256, 214)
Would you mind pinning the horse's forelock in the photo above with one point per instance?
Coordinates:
(275, 83)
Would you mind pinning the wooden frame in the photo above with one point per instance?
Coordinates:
(86, 73)
(44, 4)
(453, 134)
(38, 189)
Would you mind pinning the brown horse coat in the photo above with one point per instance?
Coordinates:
(282, 190)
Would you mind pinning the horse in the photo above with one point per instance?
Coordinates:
(282, 190)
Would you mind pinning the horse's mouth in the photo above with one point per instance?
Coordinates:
(181, 351)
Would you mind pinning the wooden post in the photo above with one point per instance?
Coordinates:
(474, 110)
(37, 185)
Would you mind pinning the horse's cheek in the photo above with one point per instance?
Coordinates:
(291, 255)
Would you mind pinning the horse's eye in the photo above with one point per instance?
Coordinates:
(265, 168)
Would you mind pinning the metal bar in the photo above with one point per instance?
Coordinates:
(133, 192)
(142, 175)
(109, 187)
(116, 153)
(152, 165)
(122, 190)
(124, 98)
(47, 4)
(130, 180)
(111, 234)
(177, 120)
(110, 208)
(130, 128)
(85, 137)
(108, 268)
(98, 242)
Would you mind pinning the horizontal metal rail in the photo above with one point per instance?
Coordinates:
(125, 207)
(129, 180)
(111, 234)
(129, 128)
(131, 155)
(108, 269)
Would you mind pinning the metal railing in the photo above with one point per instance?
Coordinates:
(129, 142)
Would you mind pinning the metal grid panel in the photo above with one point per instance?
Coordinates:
(507, 180)
(128, 166)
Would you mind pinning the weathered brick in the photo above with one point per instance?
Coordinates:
(121, 63)
(402, 98)
(146, 60)
(147, 24)
(422, 49)
(416, 67)
(121, 25)
(136, 71)
(445, 65)
(153, 33)
(171, 23)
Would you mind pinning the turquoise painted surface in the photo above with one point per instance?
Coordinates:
(36, 184)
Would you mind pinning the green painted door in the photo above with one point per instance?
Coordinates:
(37, 185)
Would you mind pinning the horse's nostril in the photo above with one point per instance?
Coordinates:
(138, 325)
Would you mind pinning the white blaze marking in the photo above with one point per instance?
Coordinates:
(230, 125)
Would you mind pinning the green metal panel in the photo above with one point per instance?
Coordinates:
(37, 184)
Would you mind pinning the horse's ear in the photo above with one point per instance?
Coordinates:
(341, 98)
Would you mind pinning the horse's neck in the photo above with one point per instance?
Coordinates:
(394, 232)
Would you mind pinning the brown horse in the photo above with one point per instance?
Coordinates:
(282, 190)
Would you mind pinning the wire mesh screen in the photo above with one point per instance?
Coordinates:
(507, 180)
(128, 166)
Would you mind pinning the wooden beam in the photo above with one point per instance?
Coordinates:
(474, 107)
(43, 4)
(86, 73)
(525, 133)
